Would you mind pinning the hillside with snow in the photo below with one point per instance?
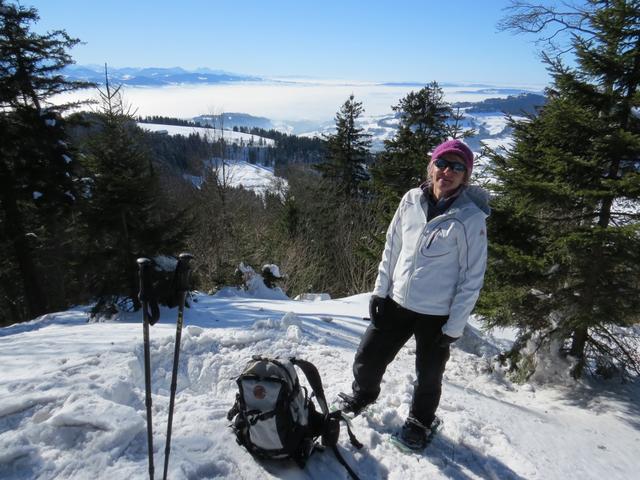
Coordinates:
(209, 134)
(72, 400)
(237, 172)
(241, 174)
(491, 129)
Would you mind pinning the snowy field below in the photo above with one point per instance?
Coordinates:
(72, 401)
(237, 173)
(209, 134)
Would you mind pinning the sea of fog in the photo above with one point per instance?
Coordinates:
(284, 100)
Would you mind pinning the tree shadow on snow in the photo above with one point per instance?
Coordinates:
(455, 460)
(602, 397)
(463, 462)
(324, 465)
(499, 402)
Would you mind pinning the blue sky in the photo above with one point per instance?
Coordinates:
(401, 40)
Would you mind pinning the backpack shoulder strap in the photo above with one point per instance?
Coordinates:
(332, 420)
(313, 377)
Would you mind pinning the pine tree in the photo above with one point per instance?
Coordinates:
(425, 120)
(123, 214)
(565, 263)
(347, 151)
(36, 168)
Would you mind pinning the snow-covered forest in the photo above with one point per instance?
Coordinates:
(544, 382)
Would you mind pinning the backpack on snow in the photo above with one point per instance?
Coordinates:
(274, 418)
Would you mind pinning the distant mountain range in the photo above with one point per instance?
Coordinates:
(157, 77)
(154, 77)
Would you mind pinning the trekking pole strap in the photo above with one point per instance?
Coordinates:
(152, 311)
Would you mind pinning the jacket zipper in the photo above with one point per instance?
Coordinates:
(433, 237)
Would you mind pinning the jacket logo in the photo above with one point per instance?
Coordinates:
(259, 392)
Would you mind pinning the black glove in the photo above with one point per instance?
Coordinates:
(443, 340)
(376, 307)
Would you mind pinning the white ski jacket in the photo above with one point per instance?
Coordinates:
(436, 268)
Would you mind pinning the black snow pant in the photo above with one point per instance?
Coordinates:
(382, 341)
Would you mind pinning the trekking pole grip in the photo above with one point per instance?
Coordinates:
(145, 279)
(183, 272)
(146, 294)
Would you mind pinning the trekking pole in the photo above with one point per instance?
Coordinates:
(148, 318)
(181, 282)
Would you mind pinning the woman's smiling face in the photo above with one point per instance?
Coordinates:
(446, 180)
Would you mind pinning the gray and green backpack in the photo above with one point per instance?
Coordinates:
(273, 416)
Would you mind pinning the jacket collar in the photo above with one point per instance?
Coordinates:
(467, 196)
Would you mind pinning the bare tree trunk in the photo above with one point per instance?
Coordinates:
(578, 344)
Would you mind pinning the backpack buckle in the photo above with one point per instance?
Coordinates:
(331, 432)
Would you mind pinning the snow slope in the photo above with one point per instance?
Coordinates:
(210, 134)
(491, 129)
(72, 401)
(250, 176)
(237, 173)
(241, 174)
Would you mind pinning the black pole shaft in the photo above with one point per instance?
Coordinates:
(182, 286)
(147, 400)
(143, 264)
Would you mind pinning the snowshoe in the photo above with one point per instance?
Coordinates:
(414, 436)
(349, 405)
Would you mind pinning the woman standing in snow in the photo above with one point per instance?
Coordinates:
(429, 279)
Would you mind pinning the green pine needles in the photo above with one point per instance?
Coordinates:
(565, 238)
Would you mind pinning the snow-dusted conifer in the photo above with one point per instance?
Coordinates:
(36, 166)
(422, 126)
(347, 150)
(124, 217)
(565, 236)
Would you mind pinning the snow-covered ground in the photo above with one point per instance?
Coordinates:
(242, 174)
(72, 400)
(491, 129)
(250, 176)
(237, 173)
